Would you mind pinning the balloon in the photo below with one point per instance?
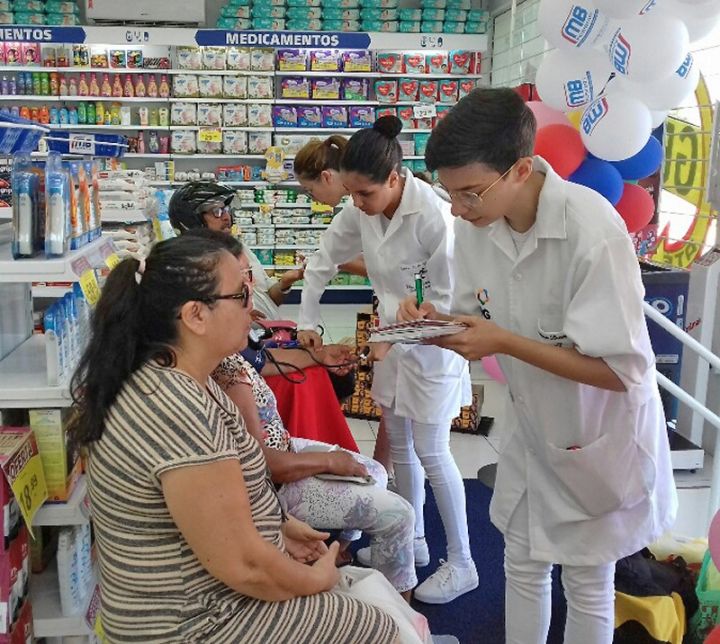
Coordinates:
(492, 369)
(636, 207)
(622, 10)
(569, 81)
(700, 18)
(714, 637)
(571, 24)
(615, 127)
(664, 93)
(601, 176)
(649, 47)
(644, 163)
(714, 540)
(575, 117)
(562, 147)
(545, 115)
(657, 118)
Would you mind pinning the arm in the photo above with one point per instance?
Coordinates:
(286, 467)
(328, 356)
(280, 288)
(355, 267)
(210, 507)
(340, 243)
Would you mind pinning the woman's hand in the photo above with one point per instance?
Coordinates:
(310, 339)
(256, 315)
(408, 311)
(482, 338)
(337, 357)
(343, 463)
(303, 543)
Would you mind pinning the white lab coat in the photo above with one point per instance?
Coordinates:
(424, 383)
(262, 284)
(576, 282)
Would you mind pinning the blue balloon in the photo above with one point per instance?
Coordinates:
(601, 176)
(644, 163)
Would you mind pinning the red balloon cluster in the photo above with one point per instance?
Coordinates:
(562, 147)
(636, 207)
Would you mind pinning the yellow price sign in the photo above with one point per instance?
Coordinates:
(92, 615)
(23, 469)
(316, 206)
(90, 287)
(210, 136)
(112, 260)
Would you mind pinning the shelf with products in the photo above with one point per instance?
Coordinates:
(224, 128)
(132, 70)
(85, 99)
(247, 101)
(73, 512)
(50, 290)
(373, 74)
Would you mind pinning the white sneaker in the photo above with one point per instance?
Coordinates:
(422, 554)
(448, 582)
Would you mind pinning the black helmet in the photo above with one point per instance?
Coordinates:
(189, 201)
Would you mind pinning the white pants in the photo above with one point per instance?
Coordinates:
(415, 447)
(589, 591)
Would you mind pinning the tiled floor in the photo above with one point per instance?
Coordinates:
(473, 452)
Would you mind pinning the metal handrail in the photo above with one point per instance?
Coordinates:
(684, 397)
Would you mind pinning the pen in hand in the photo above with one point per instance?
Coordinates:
(418, 289)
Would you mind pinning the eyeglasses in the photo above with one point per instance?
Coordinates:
(243, 296)
(249, 272)
(218, 211)
(465, 198)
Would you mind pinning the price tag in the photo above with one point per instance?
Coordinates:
(24, 471)
(92, 615)
(112, 260)
(316, 206)
(81, 144)
(90, 287)
(210, 136)
(424, 111)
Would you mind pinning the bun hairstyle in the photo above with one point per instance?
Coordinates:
(317, 155)
(375, 152)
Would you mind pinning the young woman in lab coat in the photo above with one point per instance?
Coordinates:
(551, 284)
(403, 229)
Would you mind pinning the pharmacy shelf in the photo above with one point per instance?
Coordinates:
(280, 204)
(109, 216)
(428, 76)
(48, 620)
(321, 102)
(302, 130)
(241, 128)
(132, 70)
(75, 512)
(23, 378)
(278, 246)
(340, 287)
(40, 269)
(218, 72)
(133, 128)
(285, 267)
(252, 101)
(273, 226)
(6, 213)
(373, 75)
(135, 155)
(50, 291)
(81, 99)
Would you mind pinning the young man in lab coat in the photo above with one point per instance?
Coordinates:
(548, 280)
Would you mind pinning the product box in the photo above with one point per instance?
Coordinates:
(465, 86)
(432, 26)
(309, 116)
(361, 116)
(406, 116)
(386, 91)
(357, 61)
(326, 89)
(437, 63)
(335, 116)
(408, 89)
(355, 89)
(448, 90)
(183, 142)
(292, 60)
(340, 14)
(209, 114)
(390, 63)
(342, 25)
(185, 86)
(409, 27)
(259, 115)
(325, 60)
(259, 142)
(306, 13)
(310, 24)
(385, 111)
(238, 59)
(234, 115)
(428, 92)
(235, 142)
(61, 464)
(392, 26)
(14, 587)
(210, 86)
(377, 14)
(410, 14)
(183, 114)
(454, 27)
(295, 87)
(235, 86)
(414, 63)
(260, 87)
(213, 58)
(189, 58)
(262, 60)
(462, 61)
(284, 116)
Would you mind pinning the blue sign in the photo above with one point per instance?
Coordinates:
(32, 33)
(294, 39)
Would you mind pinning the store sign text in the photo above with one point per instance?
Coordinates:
(283, 39)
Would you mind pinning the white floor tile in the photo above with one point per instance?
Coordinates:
(366, 448)
(471, 453)
(360, 429)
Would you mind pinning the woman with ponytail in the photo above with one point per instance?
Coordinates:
(404, 230)
(193, 543)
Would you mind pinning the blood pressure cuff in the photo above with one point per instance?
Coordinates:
(256, 357)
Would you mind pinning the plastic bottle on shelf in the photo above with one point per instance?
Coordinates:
(139, 86)
(73, 116)
(115, 118)
(125, 116)
(83, 89)
(153, 119)
(44, 115)
(94, 87)
(152, 87)
(62, 85)
(106, 88)
(4, 86)
(117, 88)
(15, 111)
(108, 116)
(36, 84)
(54, 116)
(82, 113)
(25, 112)
(164, 88)
(128, 89)
(90, 109)
(141, 144)
(45, 84)
(12, 86)
(64, 116)
(21, 84)
(99, 113)
(54, 84)
(34, 114)
(73, 88)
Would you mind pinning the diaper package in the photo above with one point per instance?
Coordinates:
(385, 111)
(414, 63)
(260, 87)
(235, 142)
(335, 116)
(361, 116)
(326, 88)
(189, 58)
(309, 116)
(448, 90)
(284, 116)
(213, 58)
(262, 60)
(235, 115)
(210, 86)
(462, 62)
(465, 86)
(183, 114)
(295, 87)
(357, 61)
(437, 63)
(408, 89)
(259, 115)
(409, 27)
(386, 91)
(428, 91)
(235, 86)
(325, 60)
(209, 114)
(292, 60)
(183, 142)
(355, 89)
(390, 63)
(186, 86)
(259, 142)
(238, 59)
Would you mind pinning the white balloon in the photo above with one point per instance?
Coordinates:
(568, 81)
(571, 24)
(700, 18)
(648, 47)
(665, 93)
(657, 118)
(624, 9)
(615, 127)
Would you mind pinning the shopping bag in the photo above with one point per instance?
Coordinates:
(373, 588)
(708, 615)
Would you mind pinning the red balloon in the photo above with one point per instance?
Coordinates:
(714, 637)
(636, 207)
(562, 147)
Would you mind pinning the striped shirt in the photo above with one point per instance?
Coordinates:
(154, 588)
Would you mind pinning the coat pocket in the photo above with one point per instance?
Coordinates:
(606, 475)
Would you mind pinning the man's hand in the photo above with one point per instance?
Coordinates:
(310, 339)
(409, 311)
(482, 338)
(343, 463)
(290, 277)
(256, 315)
(303, 543)
(332, 355)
